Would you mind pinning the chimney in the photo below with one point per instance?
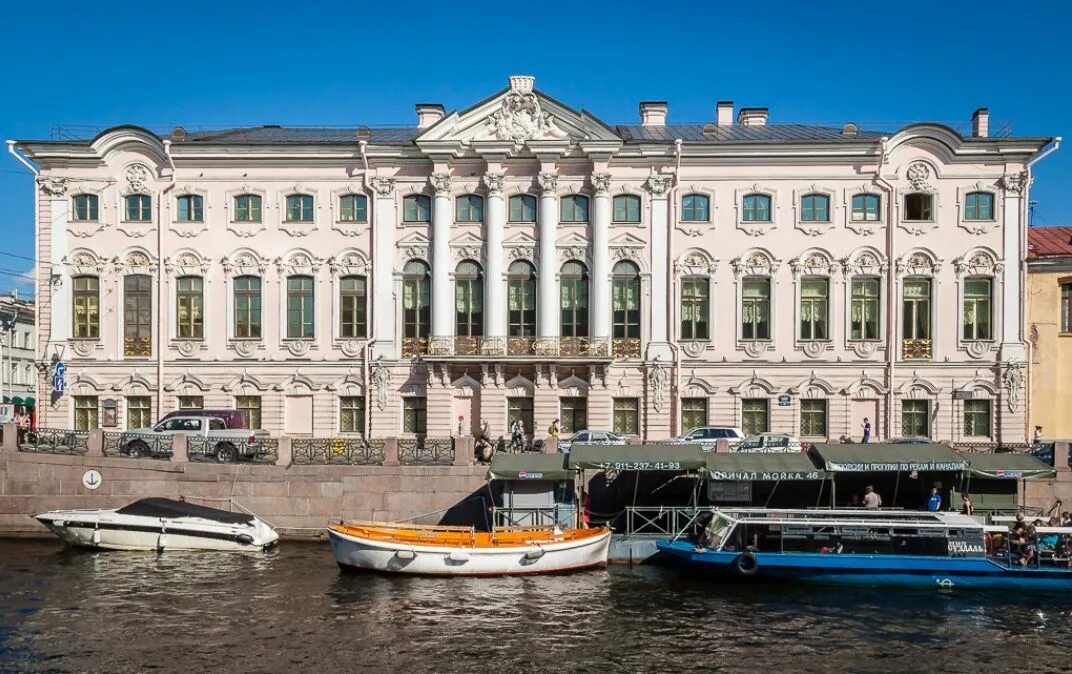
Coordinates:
(981, 123)
(653, 113)
(724, 113)
(429, 113)
(752, 117)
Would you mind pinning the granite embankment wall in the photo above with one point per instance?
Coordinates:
(298, 499)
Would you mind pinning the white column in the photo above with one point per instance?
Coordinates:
(601, 211)
(658, 301)
(494, 288)
(547, 306)
(442, 328)
(1012, 348)
(382, 268)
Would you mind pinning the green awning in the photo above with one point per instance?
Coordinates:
(6, 400)
(30, 402)
(636, 457)
(1008, 466)
(17, 400)
(529, 466)
(738, 466)
(889, 458)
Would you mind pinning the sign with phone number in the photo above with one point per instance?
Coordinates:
(640, 465)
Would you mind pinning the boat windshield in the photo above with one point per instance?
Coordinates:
(717, 531)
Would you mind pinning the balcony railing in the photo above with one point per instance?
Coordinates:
(916, 349)
(625, 348)
(414, 346)
(350, 451)
(520, 346)
(54, 441)
(137, 347)
(565, 347)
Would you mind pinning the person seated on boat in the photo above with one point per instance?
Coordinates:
(966, 506)
(1066, 519)
(1030, 548)
(855, 501)
(872, 501)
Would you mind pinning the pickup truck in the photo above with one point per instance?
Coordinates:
(224, 444)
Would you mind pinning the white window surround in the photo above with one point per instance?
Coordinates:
(351, 262)
(979, 226)
(187, 263)
(865, 263)
(246, 228)
(132, 262)
(755, 263)
(624, 190)
(696, 227)
(919, 264)
(298, 228)
(469, 193)
(695, 263)
(298, 263)
(814, 264)
(865, 227)
(756, 227)
(814, 227)
(422, 188)
(188, 228)
(980, 263)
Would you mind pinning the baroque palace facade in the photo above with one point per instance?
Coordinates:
(521, 259)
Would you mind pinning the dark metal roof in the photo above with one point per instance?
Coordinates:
(278, 134)
(768, 133)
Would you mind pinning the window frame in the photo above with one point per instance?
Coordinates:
(570, 408)
(360, 206)
(305, 211)
(467, 286)
(808, 333)
(905, 300)
(761, 406)
(143, 410)
(190, 296)
(306, 306)
(144, 207)
(864, 300)
(866, 198)
(527, 290)
(250, 412)
(574, 320)
(355, 301)
(970, 414)
(628, 410)
(249, 297)
(89, 211)
(631, 323)
(418, 318)
(926, 415)
(254, 205)
(695, 198)
(969, 206)
(90, 298)
(975, 300)
(627, 200)
(415, 408)
(750, 206)
(824, 413)
(525, 201)
(139, 328)
(354, 408)
(697, 416)
(700, 309)
(927, 206)
(759, 302)
(1065, 298)
(575, 200)
(810, 207)
(472, 202)
(81, 407)
(189, 208)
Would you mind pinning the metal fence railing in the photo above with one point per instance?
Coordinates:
(337, 451)
(54, 441)
(654, 521)
(561, 514)
(228, 449)
(426, 451)
(138, 445)
(996, 447)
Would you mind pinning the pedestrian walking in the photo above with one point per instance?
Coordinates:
(867, 430)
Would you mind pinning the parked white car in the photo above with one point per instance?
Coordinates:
(770, 442)
(708, 436)
(587, 437)
(225, 444)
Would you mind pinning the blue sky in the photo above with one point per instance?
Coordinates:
(223, 63)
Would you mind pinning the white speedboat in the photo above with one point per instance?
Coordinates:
(461, 551)
(160, 524)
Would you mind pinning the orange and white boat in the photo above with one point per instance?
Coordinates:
(463, 551)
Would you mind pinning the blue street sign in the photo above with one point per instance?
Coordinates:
(61, 368)
(58, 384)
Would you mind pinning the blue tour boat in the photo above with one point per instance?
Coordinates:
(869, 547)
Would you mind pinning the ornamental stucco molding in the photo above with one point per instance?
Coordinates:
(136, 180)
(657, 384)
(384, 187)
(441, 184)
(919, 177)
(494, 183)
(381, 382)
(1015, 184)
(53, 186)
(658, 186)
(695, 263)
(548, 183)
(520, 117)
(1013, 379)
(601, 183)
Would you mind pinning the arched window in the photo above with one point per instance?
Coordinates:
(138, 315)
(865, 207)
(353, 303)
(416, 300)
(139, 208)
(468, 300)
(574, 208)
(469, 208)
(416, 208)
(191, 208)
(757, 208)
(86, 307)
(522, 208)
(299, 208)
(353, 208)
(521, 299)
(84, 207)
(626, 208)
(247, 307)
(919, 206)
(300, 309)
(190, 307)
(815, 208)
(625, 301)
(247, 208)
(979, 206)
(574, 291)
(695, 208)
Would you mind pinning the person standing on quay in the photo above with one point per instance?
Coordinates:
(867, 430)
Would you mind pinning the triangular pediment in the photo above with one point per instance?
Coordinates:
(414, 239)
(467, 239)
(516, 116)
(572, 239)
(520, 239)
(627, 240)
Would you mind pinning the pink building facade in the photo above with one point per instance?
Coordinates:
(521, 259)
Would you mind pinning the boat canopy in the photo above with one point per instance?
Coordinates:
(738, 466)
(528, 466)
(171, 509)
(637, 457)
(1008, 466)
(890, 458)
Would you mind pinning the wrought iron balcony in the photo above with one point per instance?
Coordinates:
(520, 346)
(625, 348)
(539, 347)
(414, 346)
(137, 347)
(916, 349)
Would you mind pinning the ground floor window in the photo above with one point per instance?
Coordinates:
(574, 415)
(85, 413)
(250, 407)
(627, 416)
(915, 418)
(977, 418)
(191, 402)
(813, 418)
(415, 415)
(755, 415)
(693, 413)
(139, 412)
(520, 409)
(351, 414)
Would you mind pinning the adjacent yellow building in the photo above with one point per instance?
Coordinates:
(1049, 330)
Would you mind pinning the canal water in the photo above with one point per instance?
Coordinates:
(290, 610)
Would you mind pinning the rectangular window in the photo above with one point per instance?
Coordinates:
(814, 309)
(300, 208)
(190, 315)
(755, 309)
(864, 312)
(191, 402)
(85, 207)
(300, 307)
(250, 407)
(695, 308)
(247, 208)
(247, 307)
(915, 418)
(137, 315)
(139, 208)
(191, 208)
(693, 413)
(522, 208)
(627, 416)
(757, 208)
(977, 418)
(415, 415)
(813, 418)
(574, 415)
(1066, 307)
(353, 208)
(626, 208)
(916, 314)
(815, 208)
(352, 307)
(520, 409)
(979, 206)
(918, 207)
(977, 303)
(865, 207)
(574, 208)
(469, 208)
(86, 307)
(139, 412)
(755, 413)
(85, 413)
(352, 415)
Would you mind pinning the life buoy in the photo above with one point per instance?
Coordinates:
(746, 564)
